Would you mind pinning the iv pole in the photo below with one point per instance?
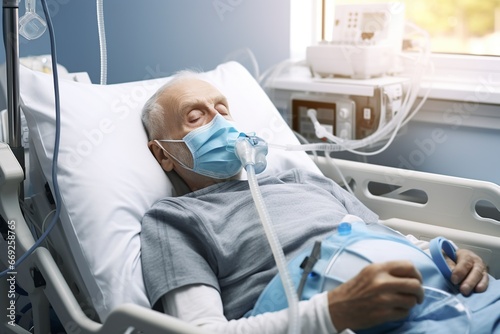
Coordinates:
(11, 43)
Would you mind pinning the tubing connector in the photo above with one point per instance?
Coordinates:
(318, 128)
(251, 150)
(31, 25)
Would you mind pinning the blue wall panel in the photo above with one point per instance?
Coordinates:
(157, 37)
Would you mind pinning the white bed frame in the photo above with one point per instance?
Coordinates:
(450, 211)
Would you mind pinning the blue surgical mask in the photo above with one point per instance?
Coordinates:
(212, 149)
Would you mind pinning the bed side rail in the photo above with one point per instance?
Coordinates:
(427, 205)
(126, 318)
(422, 197)
(41, 277)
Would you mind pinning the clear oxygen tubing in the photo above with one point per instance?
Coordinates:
(329, 161)
(273, 72)
(340, 144)
(394, 125)
(402, 121)
(246, 153)
(388, 130)
(102, 42)
(241, 54)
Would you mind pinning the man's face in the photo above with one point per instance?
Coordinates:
(189, 104)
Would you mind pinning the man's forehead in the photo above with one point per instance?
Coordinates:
(192, 83)
(186, 89)
(185, 85)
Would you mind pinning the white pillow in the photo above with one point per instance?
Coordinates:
(107, 176)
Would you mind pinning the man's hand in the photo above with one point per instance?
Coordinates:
(469, 272)
(379, 293)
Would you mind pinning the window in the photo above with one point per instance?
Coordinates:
(455, 26)
(465, 39)
(459, 26)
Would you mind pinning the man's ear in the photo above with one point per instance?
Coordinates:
(163, 159)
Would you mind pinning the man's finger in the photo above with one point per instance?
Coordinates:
(403, 269)
(476, 276)
(407, 280)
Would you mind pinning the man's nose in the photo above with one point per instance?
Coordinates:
(212, 111)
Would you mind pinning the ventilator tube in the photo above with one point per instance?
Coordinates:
(252, 151)
(339, 144)
(342, 144)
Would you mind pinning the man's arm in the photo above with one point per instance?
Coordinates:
(201, 305)
(379, 293)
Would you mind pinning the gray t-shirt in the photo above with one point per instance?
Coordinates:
(214, 236)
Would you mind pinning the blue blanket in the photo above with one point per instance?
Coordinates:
(343, 255)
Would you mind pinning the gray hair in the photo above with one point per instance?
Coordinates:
(153, 113)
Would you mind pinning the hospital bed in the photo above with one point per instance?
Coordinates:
(89, 273)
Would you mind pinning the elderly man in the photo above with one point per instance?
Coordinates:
(205, 256)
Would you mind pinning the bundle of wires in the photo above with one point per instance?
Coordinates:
(387, 132)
